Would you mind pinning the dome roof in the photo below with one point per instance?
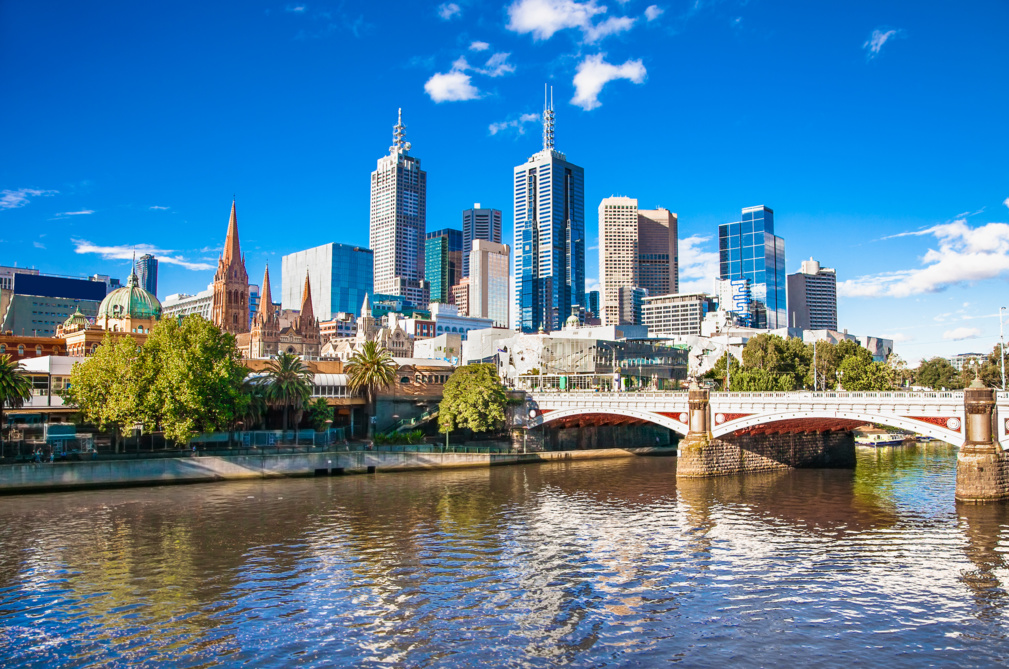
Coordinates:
(76, 321)
(130, 301)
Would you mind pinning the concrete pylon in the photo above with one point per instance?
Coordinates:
(692, 448)
(981, 465)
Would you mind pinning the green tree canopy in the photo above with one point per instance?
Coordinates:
(860, 372)
(938, 374)
(473, 398)
(15, 387)
(290, 383)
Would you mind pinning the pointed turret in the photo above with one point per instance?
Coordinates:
(366, 307)
(265, 310)
(232, 249)
(307, 313)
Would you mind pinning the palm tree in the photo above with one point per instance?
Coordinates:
(256, 389)
(371, 369)
(290, 383)
(15, 388)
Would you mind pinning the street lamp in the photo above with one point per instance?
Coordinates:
(1001, 350)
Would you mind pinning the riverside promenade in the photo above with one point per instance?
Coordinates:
(46, 477)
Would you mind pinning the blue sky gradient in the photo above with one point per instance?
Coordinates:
(132, 124)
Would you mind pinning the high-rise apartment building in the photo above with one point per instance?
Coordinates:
(549, 235)
(812, 297)
(147, 271)
(488, 281)
(637, 250)
(479, 223)
(676, 314)
(398, 221)
(443, 263)
(341, 276)
(750, 250)
(460, 296)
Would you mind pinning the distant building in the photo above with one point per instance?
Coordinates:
(460, 296)
(488, 282)
(268, 336)
(443, 263)
(967, 360)
(812, 297)
(478, 223)
(130, 311)
(399, 221)
(182, 304)
(341, 325)
(7, 276)
(677, 314)
(147, 272)
(341, 276)
(749, 249)
(592, 303)
(39, 303)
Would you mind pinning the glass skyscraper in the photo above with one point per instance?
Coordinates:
(147, 272)
(549, 236)
(750, 250)
(340, 275)
(443, 257)
(478, 223)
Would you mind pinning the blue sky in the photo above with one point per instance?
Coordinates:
(875, 130)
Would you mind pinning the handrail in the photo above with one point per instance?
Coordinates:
(798, 394)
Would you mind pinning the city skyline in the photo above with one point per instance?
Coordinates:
(898, 223)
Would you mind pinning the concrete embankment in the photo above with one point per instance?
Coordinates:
(159, 471)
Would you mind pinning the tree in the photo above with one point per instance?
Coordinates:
(290, 383)
(107, 389)
(371, 369)
(15, 388)
(784, 364)
(717, 372)
(254, 388)
(937, 374)
(861, 372)
(473, 398)
(320, 414)
(762, 380)
(900, 372)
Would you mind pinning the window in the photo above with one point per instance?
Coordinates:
(405, 379)
(38, 350)
(3, 348)
(21, 349)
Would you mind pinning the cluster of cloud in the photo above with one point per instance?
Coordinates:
(961, 333)
(123, 252)
(875, 43)
(697, 264)
(82, 212)
(457, 84)
(544, 18)
(448, 11)
(593, 73)
(964, 254)
(517, 125)
(15, 199)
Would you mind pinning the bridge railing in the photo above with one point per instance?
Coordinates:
(790, 395)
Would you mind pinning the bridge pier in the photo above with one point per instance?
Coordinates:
(982, 467)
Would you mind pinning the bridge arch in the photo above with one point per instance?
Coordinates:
(909, 424)
(648, 416)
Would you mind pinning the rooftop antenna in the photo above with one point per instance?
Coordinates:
(548, 117)
(398, 133)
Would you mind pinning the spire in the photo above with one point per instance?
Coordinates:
(265, 298)
(548, 119)
(398, 133)
(366, 307)
(307, 314)
(232, 249)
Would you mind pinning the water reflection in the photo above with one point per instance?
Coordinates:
(590, 563)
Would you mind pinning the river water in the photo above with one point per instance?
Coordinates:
(605, 563)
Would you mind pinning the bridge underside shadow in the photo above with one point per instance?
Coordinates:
(603, 430)
(824, 443)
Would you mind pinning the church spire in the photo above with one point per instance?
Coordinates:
(548, 119)
(265, 298)
(307, 313)
(232, 249)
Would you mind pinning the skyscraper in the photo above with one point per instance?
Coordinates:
(478, 223)
(147, 271)
(341, 278)
(443, 263)
(750, 250)
(488, 283)
(549, 235)
(812, 297)
(398, 221)
(637, 251)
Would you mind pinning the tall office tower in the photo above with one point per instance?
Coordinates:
(812, 297)
(443, 263)
(479, 223)
(230, 307)
(341, 275)
(592, 300)
(750, 250)
(549, 235)
(637, 249)
(398, 221)
(147, 271)
(488, 282)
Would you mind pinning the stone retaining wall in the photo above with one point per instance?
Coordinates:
(765, 452)
(982, 474)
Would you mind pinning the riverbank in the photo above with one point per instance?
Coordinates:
(48, 477)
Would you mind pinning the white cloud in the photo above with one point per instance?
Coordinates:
(497, 65)
(128, 252)
(544, 18)
(1006, 202)
(518, 125)
(38, 245)
(875, 43)
(297, 9)
(82, 212)
(449, 10)
(158, 207)
(898, 337)
(964, 254)
(653, 12)
(451, 86)
(956, 334)
(14, 199)
(591, 284)
(479, 46)
(698, 267)
(594, 73)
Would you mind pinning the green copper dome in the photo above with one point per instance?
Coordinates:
(130, 301)
(77, 320)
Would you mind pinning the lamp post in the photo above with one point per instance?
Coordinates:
(1001, 350)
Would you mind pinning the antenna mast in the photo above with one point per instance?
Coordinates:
(548, 118)
(398, 133)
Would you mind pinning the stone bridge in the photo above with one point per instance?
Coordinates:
(976, 419)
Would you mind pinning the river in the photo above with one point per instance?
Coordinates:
(601, 563)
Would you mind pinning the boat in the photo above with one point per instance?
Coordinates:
(875, 438)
